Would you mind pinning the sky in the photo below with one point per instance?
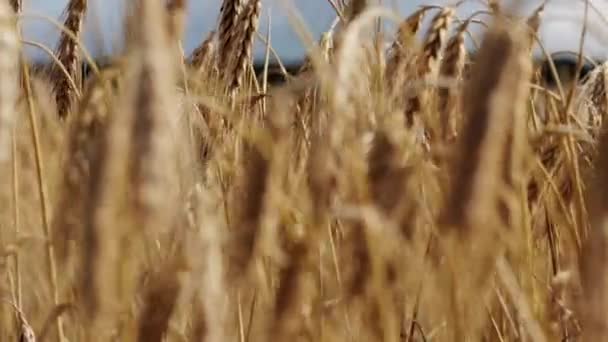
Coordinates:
(561, 29)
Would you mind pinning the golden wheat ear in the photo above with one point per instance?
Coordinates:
(68, 54)
(243, 46)
(230, 13)
(403, 48)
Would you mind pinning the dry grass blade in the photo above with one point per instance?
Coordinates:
(68, 54)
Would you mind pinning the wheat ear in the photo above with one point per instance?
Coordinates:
(427, 62)
(69, 56)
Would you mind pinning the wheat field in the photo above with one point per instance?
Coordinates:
(419, 192)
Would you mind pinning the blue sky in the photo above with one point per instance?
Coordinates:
(561, 29)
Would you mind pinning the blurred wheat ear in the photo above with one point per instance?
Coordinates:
(9, 67)
(493, 105)
(594, 278)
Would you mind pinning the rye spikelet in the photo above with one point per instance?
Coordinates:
(230, 13)
(69, 55)
(9, 69)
